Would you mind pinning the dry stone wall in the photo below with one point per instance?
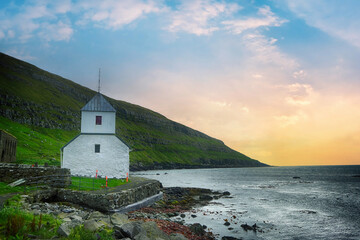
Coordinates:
(101, 200)
(52, 176)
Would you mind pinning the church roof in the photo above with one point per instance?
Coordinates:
(98, 104)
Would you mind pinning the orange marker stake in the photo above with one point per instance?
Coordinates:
(96, 173)
(106, 181)
(127, 177)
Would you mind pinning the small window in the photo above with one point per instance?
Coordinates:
(97, 148)
(98, 120)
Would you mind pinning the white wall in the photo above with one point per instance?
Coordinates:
(112, 161)
(88, 122)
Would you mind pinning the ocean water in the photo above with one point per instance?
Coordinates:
(323, 203)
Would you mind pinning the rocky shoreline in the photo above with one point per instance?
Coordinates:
(162, 220)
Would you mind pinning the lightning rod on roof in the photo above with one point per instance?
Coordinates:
(99, 81)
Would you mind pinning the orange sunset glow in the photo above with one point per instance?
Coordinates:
(275, 80)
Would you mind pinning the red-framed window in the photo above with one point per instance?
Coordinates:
(98, 120)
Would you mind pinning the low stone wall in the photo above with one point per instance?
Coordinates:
(102, 201)
(53, 176)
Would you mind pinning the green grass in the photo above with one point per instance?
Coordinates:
(4, 188)
(90, 184)
(35, 144)
(16, 223)
(80, 233)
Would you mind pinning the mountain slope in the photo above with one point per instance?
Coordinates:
(47, 106)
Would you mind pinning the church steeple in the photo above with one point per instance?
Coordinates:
(99, 81)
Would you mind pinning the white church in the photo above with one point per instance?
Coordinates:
(97, 148)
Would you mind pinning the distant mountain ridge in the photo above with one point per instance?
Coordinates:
(47, 108)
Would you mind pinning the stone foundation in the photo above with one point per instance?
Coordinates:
(52, 176)
(105, 201)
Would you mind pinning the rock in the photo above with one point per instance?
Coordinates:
(193, 216)
(296, 177)
(206, 197)
(119, 219)
(308, 211)
(227, 224)
(65, 229)
(68, 210)
(226, 193)
(230, 238)
(142, 236)
(92, 225)
(67, 219)
(96, 215)
(246, 227)
(204, 227)
(151, 231)
(197, 228)
(182, 215)
(130, 229)
(177, 236)
(76, 218)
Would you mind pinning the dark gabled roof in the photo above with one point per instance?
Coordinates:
(98, 104)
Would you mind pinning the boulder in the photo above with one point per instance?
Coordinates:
(92, 225)
(230, 238)
(96, 215)
(142, 236)
(65, 228)
(197, 228)
(206, 197)
(76, 218)
(119, 219)
(177, 236)
(130, 229)
(152, 231)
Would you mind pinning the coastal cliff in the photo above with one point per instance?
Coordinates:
(43, 111)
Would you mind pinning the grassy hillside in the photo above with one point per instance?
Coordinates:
(43, 111)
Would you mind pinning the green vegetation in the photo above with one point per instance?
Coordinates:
(43, 111)
(16, 223)
(79, 233)
(89, 184)
(36, 144)
(4, 188)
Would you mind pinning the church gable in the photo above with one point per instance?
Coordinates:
(98, 104)
(97, 147)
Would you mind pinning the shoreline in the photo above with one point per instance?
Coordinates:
(170, 213)
(164, 216)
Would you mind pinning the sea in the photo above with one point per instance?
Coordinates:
(307, 202)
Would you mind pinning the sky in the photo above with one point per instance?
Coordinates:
(277, 80)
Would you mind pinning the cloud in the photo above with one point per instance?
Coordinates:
(264, 50)
(301, 74)
(56, 32)
(288, 120)
(298, 94)
(50, 20)
(267, 19)
(113, 14)
(38, 19)
(195, 16)
(340, 20)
